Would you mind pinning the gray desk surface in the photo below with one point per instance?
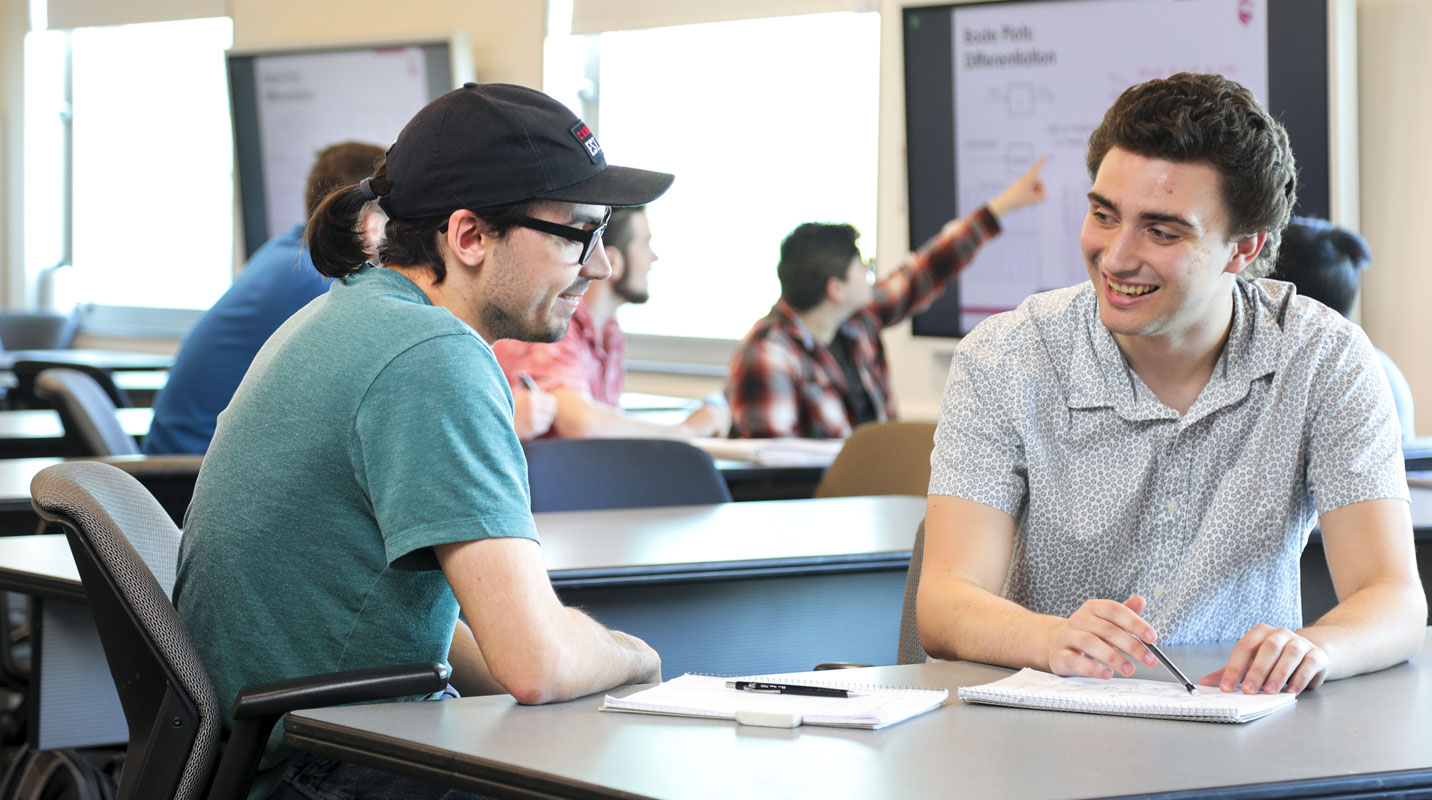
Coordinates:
(1368, 733)
(626, 545)
(100, 359)
(44, 423)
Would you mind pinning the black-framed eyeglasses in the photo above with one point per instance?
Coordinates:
(589, 239)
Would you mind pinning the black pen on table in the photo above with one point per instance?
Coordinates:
(763, 687)
(1168, 665)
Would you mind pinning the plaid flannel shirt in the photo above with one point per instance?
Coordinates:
(784, 383)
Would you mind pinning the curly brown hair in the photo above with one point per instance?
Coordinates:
(1216, 121)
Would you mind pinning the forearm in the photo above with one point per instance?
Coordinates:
(584, 657)
(581, 418)
(960, 620)
(1380, 625)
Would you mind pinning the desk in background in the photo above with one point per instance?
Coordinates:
(1366, 736)
(38, 432)
(736, 587)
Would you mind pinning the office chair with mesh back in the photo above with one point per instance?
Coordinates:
(88, 414)
(126, 549)
(881, 458)
(587, 474)
(910, 651)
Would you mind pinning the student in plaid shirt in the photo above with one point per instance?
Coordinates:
(814, 367)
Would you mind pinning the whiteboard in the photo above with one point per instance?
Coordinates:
(1036, 78)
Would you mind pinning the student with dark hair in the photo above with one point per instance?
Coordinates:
(815, 366)
(366, 481)
(1325, 261)
(278, 280)
(585, 371)
(1142, 457)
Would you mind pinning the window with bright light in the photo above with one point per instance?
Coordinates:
(151, 192)
(767, 123)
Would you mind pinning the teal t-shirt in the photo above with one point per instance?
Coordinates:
(371, 426)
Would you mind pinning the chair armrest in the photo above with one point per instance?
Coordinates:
(337, 688)
(1418, 453)
(258, 707)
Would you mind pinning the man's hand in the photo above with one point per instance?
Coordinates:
(709, 420)
(1095, 641)
(1026, 190)
(1270, 660)
(532, 413)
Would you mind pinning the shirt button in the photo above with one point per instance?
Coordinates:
(1173, 506)
(1158, 591)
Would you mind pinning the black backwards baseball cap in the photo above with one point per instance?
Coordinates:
(495, 143)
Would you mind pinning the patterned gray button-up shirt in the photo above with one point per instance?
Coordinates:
(1114, 493)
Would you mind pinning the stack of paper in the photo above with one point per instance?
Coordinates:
(707, 696)
(774, 452)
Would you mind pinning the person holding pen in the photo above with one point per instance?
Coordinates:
(585, 370)
(1141, 457)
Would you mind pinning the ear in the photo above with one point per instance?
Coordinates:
(1245, 251)
(618, 262)
(467, 238)
(834, 290)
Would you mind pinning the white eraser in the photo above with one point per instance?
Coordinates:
(768, 719)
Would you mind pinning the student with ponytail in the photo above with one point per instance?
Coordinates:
(367, 482)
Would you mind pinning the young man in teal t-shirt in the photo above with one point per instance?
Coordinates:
(366, 482)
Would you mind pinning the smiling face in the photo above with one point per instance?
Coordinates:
(1159, 252)
(533, 283)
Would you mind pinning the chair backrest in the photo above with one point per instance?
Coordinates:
(126, 549)
(584, 474)
(881, 458)
(910, 651)
(27, 371)
(37, 330)
(87, 412)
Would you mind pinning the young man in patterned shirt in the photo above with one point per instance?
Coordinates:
(1142, 457)
(814, 366)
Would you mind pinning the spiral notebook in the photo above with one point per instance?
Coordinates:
(1130, 697)
(708, 696)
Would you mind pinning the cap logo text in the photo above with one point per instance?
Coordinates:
(587, 139)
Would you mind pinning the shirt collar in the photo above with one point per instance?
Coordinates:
(1255, 343)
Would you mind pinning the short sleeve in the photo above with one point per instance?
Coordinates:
(435, 450)
(1354, 440)
(978, 453)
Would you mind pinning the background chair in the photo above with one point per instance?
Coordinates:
(91, 426)
(37, 330)
(582, 474)
(27, 371)
(126, 549)
(881, 458)
(909, 650)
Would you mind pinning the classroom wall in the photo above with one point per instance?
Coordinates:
(506, 36)
(14, 21)
(1394, 69)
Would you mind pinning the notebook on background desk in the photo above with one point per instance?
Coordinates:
(1130, 697)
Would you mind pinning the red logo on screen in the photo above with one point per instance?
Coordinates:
(1245, 11)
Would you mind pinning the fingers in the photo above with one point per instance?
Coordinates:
(1096, 642)
(1038, 165)
(1270, 660)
